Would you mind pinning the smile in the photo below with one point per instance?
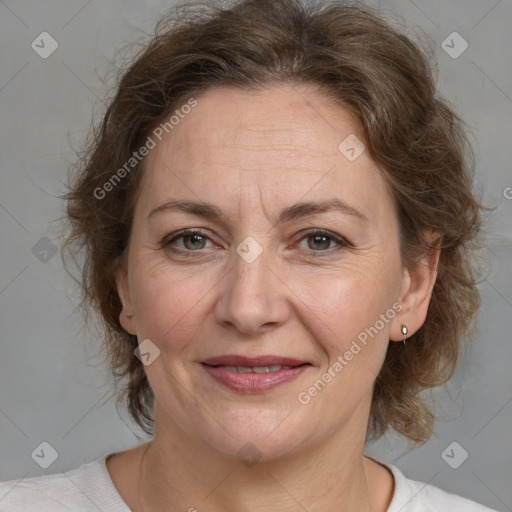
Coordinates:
(254, 379)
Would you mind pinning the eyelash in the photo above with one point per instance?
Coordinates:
(342, 243)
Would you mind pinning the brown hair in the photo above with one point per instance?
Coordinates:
(367, 66)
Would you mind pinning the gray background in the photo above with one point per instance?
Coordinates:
(54, 385)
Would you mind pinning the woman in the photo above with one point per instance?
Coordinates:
(277, 215)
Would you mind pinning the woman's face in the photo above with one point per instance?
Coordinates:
(255, 280)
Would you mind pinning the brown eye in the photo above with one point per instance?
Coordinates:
(186, 241)
(195, 241)
(320, 241)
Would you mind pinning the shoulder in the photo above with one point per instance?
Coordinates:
(413, 496)
(84, 489)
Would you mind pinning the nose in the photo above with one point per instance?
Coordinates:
(252, 296)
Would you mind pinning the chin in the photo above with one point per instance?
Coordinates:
(249, 450)
(256, 436)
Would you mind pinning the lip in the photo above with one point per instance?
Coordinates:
(253, 383)
(239, 360)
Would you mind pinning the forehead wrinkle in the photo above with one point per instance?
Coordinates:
(274, 169)
(293, 157)
(290, 133)
(260, 195)
(294, 148)
(263, 209)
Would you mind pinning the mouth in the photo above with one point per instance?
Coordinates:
(255, 369)
(254, 374)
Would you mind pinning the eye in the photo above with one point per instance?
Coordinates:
(319, 240)
(193, 240)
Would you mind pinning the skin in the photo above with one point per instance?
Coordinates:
(252, 154)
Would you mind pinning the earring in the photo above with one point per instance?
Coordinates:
(404, 331)
(129, 316)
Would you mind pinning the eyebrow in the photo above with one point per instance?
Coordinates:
(296, 211)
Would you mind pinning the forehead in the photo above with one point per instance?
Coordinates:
(280, 143)
(291, 120)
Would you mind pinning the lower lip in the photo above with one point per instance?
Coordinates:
(254, 382)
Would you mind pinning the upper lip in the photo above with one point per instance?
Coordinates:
(238, 360)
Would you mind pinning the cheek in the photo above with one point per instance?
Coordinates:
(350, 315)
(345, 321)
(169, 303)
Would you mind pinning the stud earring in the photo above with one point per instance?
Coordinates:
(404, 331)
(129, 316)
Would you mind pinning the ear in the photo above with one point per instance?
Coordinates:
(126, 316)
(416, 291)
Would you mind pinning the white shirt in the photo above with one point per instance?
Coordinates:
(89, 488)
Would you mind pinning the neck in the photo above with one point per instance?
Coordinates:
(177, 474)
